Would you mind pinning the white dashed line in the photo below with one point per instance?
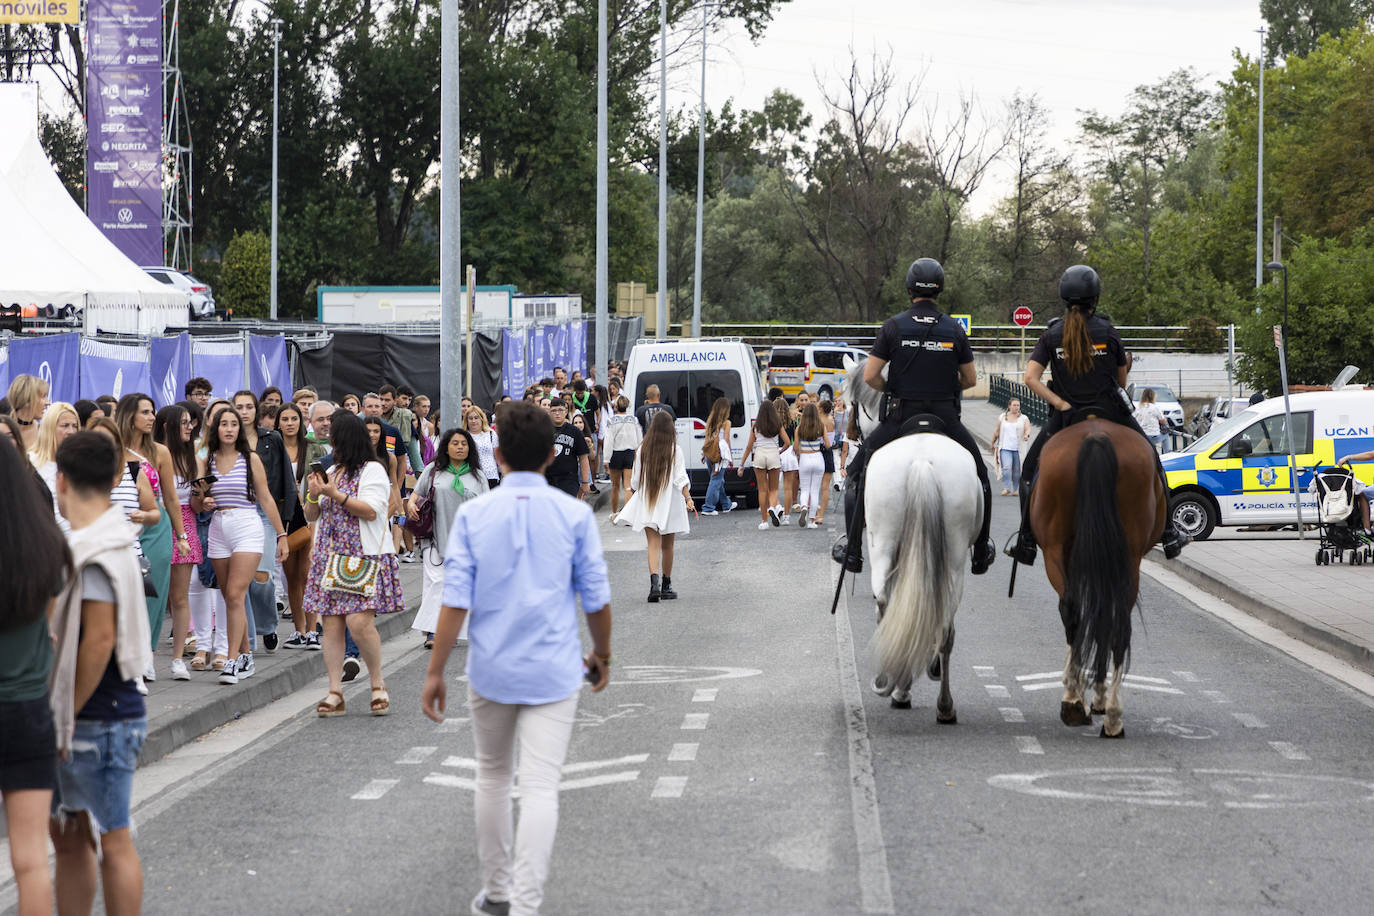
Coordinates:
(1249, 721)
(695, 721)
(1052, 675)
(683, 752)
(1011, 714)
(466, 763)
(996, 690)
(1027, 744)
(984, 671)
(705, 695)
(1151, 687)
(1139, 678)
(600, 764)
(669, 787)
(453, 725)
(1188, 676)
(1216, 696)
(1047, 685)
(1289, 751)
(374, 789)
(416, 755)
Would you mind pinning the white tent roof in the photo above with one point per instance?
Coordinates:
(51, 253)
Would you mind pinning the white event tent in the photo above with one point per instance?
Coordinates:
(50, 253)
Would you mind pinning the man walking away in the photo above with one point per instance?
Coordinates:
(525, 664)
(645, 412)
(100, 628)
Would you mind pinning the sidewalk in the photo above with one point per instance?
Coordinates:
(1271, 576)
(181, 711)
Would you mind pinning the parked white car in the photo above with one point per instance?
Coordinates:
(1165, 400)
(202, 299)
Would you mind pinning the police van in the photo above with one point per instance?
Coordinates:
(1238, 473)
(690, 374)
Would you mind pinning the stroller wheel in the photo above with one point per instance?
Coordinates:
(1320, 557)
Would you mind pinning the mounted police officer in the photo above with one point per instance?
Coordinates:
(1088, 372)
(929, 363)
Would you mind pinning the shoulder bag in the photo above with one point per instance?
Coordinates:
(423, 524)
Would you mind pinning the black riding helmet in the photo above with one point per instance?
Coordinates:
(925, 278)
(1080, 286)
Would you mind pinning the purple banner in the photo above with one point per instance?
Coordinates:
(267, 363)
(124, 125)
(56, 360)
(513, 363)
(170, 368)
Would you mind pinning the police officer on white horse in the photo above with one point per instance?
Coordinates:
(929, 363)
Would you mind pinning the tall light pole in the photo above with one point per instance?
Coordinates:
(701, 179)
(1259, 180)
(602, 198)
(276, 87)
(450, 238)
(662, 169)
(1283, 380)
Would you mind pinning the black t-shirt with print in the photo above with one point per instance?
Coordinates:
(568, 444)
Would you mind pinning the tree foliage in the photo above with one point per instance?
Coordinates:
(245, 276)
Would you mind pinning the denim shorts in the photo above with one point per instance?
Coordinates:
(99, 776)
(28, 746)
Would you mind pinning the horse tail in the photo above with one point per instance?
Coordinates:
(1099, 574)
(921, 604)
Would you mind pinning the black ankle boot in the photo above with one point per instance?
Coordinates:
(1173, 541)
(852, 561)
(665, 591)
(654, 590)
(984, 553)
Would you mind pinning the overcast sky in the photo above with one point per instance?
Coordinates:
(1074, 54)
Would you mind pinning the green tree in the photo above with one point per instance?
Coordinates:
(1295, 26)
(245, 278)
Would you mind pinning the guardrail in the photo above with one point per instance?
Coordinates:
(1001, 389)
(982, 337)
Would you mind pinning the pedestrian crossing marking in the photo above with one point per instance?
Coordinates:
(1027, 744)
(705, 695)
(1216, 696)
(1055, 675)
(416, 755)
(1289, 751)
(984, 671)
(1188, 676)
(683, 752)
(996, 690)
(374, 789)
(1248, 720)
(1011, 714)
(695, 721)
(669, 787)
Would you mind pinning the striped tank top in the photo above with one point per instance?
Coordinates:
(231, 490)
(125, 496)
(811, 445)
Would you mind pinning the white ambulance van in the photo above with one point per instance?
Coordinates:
(690, 374)
(1238, 473)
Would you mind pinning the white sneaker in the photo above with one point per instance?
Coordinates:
(775, 515)
(786, 519)
(150, 673)
(246, 668)
(801, 521)
(227, 674)
(764, 526)
(179, 672)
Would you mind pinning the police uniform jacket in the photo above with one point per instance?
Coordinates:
(924, 349)
(1100, 383)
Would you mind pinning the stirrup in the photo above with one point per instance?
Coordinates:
(841, 555)
(1019, 550)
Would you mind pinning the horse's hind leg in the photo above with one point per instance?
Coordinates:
(1071, 711)
(1113, 727)
(944, 707)
(901, 694)
(1099, 697)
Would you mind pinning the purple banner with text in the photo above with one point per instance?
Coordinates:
(124, 125)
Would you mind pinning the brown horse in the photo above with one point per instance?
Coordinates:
(1097, 508)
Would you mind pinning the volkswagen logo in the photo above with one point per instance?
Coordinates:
(125, 215)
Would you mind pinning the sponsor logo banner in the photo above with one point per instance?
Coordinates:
(267, 363)
(171, 368)
(513, 363)
(113, 369)
(35, 11)
(54, 359)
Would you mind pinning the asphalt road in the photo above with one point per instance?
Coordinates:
(738, 764)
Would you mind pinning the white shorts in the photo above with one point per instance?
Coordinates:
(235, 531)
(766, 458)
(788, 457)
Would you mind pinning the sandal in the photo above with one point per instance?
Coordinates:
(198, 663)
(327, 710)
(219, 662)
(189, 648)
(381, 705)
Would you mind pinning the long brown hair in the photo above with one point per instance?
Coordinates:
(810, 426)
(656, 455)
(300, 442)
(126, 412)
(719, 416)
(784, 414)
(1078, 346)
(766, 423)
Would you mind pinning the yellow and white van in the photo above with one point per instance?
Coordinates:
(817, 367)
(1238, 473)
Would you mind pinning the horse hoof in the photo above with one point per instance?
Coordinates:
(1074, 714)
(933, 669)
(1120, 734)
(882, 685)
(1099, 710)
(900, 704)
(947, 718)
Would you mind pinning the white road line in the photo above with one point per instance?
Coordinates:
(875, 883)
(1056, 675)
(984, 671)
(695, 721)
(1216, 696)
(1152, 688)
(1148, 680)
(705, 695)
(1248, 720)
(681, 752)
(584, 766)
(1258, 629)
(996, 690)
(1011, 714)
(466, 763)
(669, 787)
(1048, 685)
(1289, 751)
(450, 781)
(453, 725)
(374, 790)
(1188, 676)
(416, 755)
(1027, 744)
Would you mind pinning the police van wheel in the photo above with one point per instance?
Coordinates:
(826, 393)
(1193, 515)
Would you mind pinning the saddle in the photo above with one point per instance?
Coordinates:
(921, 423)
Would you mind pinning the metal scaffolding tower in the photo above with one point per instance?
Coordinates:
(176, 146)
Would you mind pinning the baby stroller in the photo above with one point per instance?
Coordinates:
(1338, 518)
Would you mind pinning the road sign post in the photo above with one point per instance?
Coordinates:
(1022, 316)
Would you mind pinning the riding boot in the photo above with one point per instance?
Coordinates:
(665, 591)
(655, 591)
(848, 550)
(1024, 550)
(984, 551)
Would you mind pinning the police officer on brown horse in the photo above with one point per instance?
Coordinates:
(929, 362)
(1087, 363)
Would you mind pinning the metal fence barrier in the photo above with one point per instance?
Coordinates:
(1001, 389)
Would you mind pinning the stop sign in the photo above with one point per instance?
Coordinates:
(1022, 316)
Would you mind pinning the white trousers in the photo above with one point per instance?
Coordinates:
(207, 606)
(543, 733)
(432, 592)
(812, 468)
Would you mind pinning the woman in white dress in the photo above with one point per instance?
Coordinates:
(660, 498)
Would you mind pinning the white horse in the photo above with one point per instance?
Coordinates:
(924, 506)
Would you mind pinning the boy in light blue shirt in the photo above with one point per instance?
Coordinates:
(525, 665)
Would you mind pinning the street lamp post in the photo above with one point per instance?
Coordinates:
(276, 45)
(1283, 380)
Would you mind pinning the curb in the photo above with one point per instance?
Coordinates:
(1333, 642)
(262, 689)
